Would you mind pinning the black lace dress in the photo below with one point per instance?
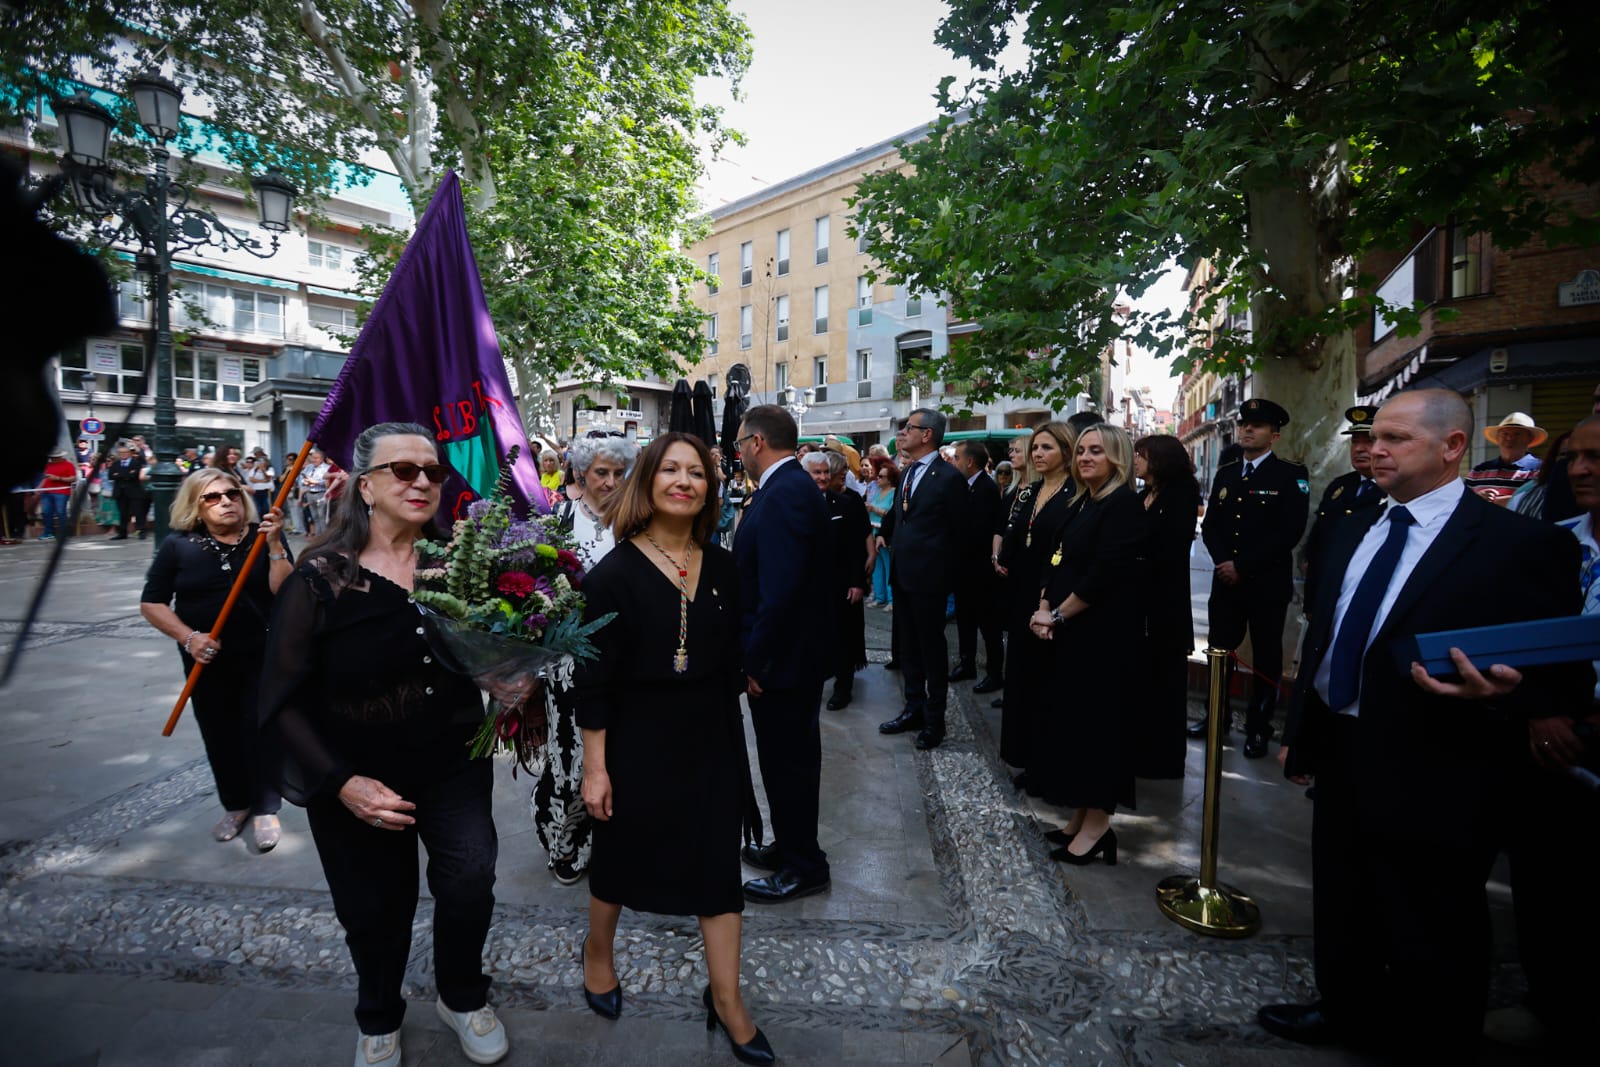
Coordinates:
(1027, 695)
(675, 748)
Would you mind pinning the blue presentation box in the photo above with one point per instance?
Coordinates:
(1517, 644)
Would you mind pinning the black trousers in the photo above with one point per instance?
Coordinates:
(789, 749)
(924, 653)
(1400, 919)
(1554, 865)
(130, 505)
(225, 710)
(978, 612)
(372, 875)
(1235, 609)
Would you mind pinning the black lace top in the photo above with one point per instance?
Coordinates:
(188, 575)
(351, 686)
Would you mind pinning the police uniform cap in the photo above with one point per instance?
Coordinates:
(1360, 419)
(1258, 410)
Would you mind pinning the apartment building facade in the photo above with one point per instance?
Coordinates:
(792, 304)
(1512, 329)
(1207, 406)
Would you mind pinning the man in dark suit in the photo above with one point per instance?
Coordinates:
(128, 489)
(924, 527)
(1256, 515)
(1347, 494)
(783, 547)
(977, 584)
(1416, 777)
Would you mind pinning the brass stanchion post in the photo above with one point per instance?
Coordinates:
(1204, 904)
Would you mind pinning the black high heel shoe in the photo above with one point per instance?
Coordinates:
(756, 1050)
(1107, 844)
(1059, 837)
(605, 1005)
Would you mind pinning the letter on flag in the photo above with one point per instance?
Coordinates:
(428, 354)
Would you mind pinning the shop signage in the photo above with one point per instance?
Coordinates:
(1584, 289)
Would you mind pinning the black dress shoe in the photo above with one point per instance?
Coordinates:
(997, 702)
(1305, 1023)
(1255, 746)
(1198, 729)
(928, 738)
(990, 684)
(963, 672)
(756, 1050)
(605, 1005)
(905, 721)
(891, 665)
(764, 856)
(1059, 837)
(783, 886)
(1106, 845)
(838, 701)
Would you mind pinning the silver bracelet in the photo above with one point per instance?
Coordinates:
(277, 555)
(186, 640)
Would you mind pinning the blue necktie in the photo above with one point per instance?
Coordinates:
(1363, 488)
(905, 494)
(1350, 647)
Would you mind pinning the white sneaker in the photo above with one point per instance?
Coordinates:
(483, 1039)
(375, 1049)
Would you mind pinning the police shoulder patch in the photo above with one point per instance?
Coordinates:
(1305, 486)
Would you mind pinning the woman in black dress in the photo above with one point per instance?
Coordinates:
(375, 733)
(1033, 527)
(665, 773)
(848, 580)
(1171, 499)
(1093, 616)
(213, 526)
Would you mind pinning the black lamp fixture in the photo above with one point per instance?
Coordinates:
(275, 199)
(87, 126)
(159, 102)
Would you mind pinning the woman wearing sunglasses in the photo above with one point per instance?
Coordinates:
(214, 523)
(375, 735)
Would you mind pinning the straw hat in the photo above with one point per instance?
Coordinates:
(1520, 421)
(833, 444)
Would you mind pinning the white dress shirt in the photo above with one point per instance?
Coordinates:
(916, 483)
(766, 474)
(1583, 528)
(1250, 465)
(1429, 513)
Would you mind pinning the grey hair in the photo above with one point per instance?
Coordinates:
(835, 461)
(934, 420)
(367, 443)
(585, 450)
(348, 528)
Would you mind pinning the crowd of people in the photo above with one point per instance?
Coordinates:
(1067, 567)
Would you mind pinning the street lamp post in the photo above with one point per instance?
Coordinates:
(163, 221)
(798, 406)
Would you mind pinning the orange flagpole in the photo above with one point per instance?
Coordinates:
(238, 586)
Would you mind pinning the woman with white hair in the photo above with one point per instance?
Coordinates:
(563, 824)
(214, 523)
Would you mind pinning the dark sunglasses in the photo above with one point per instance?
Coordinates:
(231, 494)
(407, 472)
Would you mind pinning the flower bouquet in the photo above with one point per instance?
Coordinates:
(501, 603)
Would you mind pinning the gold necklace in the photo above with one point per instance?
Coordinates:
(680, 661)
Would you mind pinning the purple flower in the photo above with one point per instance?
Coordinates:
(479, 508)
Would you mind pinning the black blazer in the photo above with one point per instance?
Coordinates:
(784, 552)
(1445, 764)
(126, 478)
(987, 517)
(1097, 557)
(1255, 526)
(926, 534)
(1169, 612)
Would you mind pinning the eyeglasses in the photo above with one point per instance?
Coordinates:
(407, 472)
(908, 427)
(214, 498)
(739, 441)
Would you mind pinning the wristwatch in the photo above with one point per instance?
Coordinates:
(1055, 616)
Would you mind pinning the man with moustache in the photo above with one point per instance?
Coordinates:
(782, 549)
(1417, 777)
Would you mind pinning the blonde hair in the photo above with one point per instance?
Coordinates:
(186, 505)
(1119, 450)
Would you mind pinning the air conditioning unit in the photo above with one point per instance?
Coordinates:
(863, 316)
(819, 394)
(745, 275)
(822, 256)
(863, 390)
(1499, 360)
(783, 331)
(783, 267)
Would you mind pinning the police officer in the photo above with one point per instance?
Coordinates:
(1347, 494)
(1256, 515)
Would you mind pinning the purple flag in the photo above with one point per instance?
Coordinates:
(428, 354)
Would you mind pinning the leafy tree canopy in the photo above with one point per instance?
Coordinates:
(572, 122)
(1280, 139)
